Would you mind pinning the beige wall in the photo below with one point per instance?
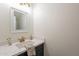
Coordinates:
(5, 25)
(59, 23)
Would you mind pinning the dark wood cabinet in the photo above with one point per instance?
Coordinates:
(39, 51)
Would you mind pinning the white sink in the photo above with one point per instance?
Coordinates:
(26, 44)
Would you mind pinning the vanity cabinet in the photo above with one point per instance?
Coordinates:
(39, 51)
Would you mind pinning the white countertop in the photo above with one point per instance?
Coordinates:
(13, 50)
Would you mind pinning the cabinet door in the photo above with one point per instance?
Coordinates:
(40, 50)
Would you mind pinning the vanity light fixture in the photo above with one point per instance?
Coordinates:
(24, 4)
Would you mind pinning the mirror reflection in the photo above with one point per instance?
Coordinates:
(21, 21)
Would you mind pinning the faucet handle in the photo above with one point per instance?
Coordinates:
(8, 38)
(9, 41)
(22, 39)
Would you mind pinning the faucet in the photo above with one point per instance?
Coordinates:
(9, 41)
(22, 39)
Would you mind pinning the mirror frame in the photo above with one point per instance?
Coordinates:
(13, 30)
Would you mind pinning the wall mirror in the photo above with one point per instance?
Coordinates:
(20, 21)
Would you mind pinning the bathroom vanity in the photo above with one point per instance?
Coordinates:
(14, 50)
(38, 49)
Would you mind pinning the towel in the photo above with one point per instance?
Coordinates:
(30, 49)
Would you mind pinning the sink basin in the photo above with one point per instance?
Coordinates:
(19, 45)
(26, 44)
(29, 43)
